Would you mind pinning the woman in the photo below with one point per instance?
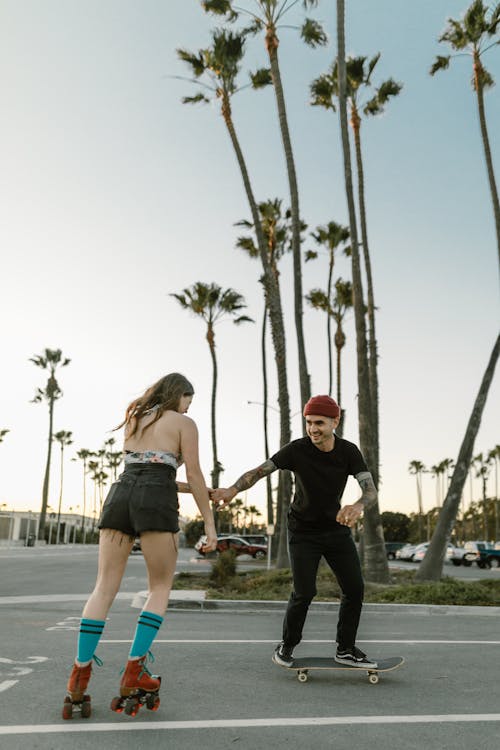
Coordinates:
(143, 502)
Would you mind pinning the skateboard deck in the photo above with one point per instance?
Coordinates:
(310, 663)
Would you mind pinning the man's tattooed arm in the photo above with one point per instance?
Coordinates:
(368, 489)
(249, 478)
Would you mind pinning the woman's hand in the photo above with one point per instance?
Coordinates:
(211, 543)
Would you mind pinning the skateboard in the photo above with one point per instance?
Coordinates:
(309, 663)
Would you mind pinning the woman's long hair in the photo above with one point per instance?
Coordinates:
(161, 396)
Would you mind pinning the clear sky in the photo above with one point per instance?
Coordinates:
(114, 195)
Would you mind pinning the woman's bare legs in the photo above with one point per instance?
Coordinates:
(114, 550)
(160, 554)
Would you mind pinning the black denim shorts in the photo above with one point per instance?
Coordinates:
(143, 499)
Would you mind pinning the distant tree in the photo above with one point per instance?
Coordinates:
(84, 455)
(482, 464)
(417, 468)
(494, 455)
(212, 303)
(330, 238)
(396, 526)
(50, 360)
(3, 433)
(474, 35)
(193, 530)
(64, 438)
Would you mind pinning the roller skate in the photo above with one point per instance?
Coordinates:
(138, 687)
(77, 699)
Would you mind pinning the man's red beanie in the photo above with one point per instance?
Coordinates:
(323, 406)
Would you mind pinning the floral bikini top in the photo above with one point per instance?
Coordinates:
(152, 457)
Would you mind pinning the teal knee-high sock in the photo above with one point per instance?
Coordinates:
(88, 638)
(148, 626)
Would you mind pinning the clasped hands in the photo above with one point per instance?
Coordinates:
(349, 514)
(221, 497)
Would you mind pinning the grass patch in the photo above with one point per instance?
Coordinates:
(276, 585)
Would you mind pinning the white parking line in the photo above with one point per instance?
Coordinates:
(241, 640)
(307, 721)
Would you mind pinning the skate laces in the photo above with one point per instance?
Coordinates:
(144, 667)
(98, 661)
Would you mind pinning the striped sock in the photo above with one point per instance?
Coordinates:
(88, 638)
(148, 626)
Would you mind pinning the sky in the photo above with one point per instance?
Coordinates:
(114, 195)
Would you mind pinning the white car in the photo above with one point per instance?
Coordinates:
(461, 555)
(419, 552)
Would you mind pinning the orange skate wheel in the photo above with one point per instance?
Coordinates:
(117, 705)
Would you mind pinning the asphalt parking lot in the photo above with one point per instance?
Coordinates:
(219, 686)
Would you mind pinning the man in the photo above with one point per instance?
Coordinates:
(318, 526)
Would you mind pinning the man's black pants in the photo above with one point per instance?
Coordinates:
(339, 551)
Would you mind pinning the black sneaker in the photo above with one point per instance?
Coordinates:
(283, 655)
(354, 657)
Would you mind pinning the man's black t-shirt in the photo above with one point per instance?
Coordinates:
(320, 480)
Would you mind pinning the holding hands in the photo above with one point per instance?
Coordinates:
(222, 497)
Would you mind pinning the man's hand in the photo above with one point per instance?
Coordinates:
(222, 497)
(349, 514)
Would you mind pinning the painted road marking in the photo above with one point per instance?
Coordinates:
(273, 640)
(6, 684)
(308, 721)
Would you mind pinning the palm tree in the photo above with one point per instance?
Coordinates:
(416, 467)
(63, 437)
(3, 433)
(494, 455)
(330, 237)
(254, 512)
(216, 70)
(325, 91)
(376, 564)
(84, 455)
(237, 506)
(432, 565)
(276, 230)
(50, 360)
(474, 35)
(212, 303)
(482, 464)
(266, 16)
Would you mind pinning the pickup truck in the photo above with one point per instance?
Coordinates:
(489, 556)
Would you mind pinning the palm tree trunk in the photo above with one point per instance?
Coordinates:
(60, 495)
(376, 566)
(431, 566)
(329, 324)
(270, 512)
(372, 340)
(273, 303)
(272, 48)
(340, 429)
(486, 146)
(215, 473)
(46, 479)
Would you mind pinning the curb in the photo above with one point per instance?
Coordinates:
(195, 600)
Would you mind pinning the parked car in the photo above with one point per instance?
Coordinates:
(136, 547)
(237, 544)
(419, 552)
(487, 553)
(406, 552)
(461, 556)
(391, 549)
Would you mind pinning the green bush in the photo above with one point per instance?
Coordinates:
(223, 569)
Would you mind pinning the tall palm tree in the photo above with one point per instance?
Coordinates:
(376, 564)
(216, 70)
(329, 237)
(84, 455)
(50, 360)
(417, 468)
(254, 513)
(64, 438)
(432, 565)
(482, 464)
(341, 303)
(266, 16)
(494, 455)
(325, 91)
(474, 35)
(276, 230)
(212, 303)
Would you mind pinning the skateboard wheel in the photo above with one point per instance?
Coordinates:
(373, 678)
(302, 676)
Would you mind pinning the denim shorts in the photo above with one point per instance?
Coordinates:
(143, 499)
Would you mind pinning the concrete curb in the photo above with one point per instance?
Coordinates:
(196, 600)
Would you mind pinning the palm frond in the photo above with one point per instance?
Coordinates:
(310, 255)
(455, 35)
(485, 78)
(313, 33)
(322, 92)
(441, 63)
(195, 99)
(220, 8)
(475, 24)
(195, 62)
(494, 21)
(261, 78)
(371, 66)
